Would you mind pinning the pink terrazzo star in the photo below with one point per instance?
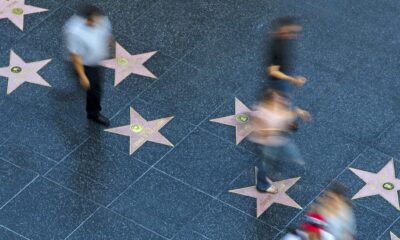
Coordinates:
(241, 121)
(19, 72)
(140, 131)
(383, 183)
(15, 10)
(393, 237)
(265, 200)
(125, 64)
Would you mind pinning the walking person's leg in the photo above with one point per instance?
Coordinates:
(263, 185)
(291, 153)
(94, 94)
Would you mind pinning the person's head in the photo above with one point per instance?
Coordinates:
(338, 189)
(335, 196)
(275, 97)
(286, 28)
(91, 13)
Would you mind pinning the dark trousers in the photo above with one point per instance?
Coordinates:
(94, 94)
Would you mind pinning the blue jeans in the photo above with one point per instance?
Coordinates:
(283, 86)
(273, 154)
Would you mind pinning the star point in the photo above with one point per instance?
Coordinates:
(19, 72)
(265, 200)
(15, 10)
(140, 131)
(241, 120)
(384, 183)
(125, 64)
(393, 237)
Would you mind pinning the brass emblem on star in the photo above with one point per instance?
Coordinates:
(122, 61)
(242, 118)
(388, 186)
(16, 69)
(136, 128)
(17, 11)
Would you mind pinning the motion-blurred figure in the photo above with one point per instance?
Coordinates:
(312, 229)
(88, 37)
(338, 212)
(285, 32)
(332, 215)
(270, 120)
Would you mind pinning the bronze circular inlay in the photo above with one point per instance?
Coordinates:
(16, 69)
(17, 11)
(136, 128)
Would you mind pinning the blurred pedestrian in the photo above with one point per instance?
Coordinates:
(280, 66)
(270, 120)
(312, 229)
(88, 37)
(337, 210)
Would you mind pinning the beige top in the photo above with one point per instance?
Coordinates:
(270, 125)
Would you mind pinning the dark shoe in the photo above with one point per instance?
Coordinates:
(100, 119)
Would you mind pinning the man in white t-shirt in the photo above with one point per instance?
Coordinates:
(88, 37)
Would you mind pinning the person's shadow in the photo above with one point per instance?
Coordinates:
(80, 135)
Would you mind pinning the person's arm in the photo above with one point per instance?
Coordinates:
(274, 71)
(77, 62)
(306, 116)
(75, 48)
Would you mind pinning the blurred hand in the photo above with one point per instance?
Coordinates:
(306, 116)
(299, 81)
(84, 81)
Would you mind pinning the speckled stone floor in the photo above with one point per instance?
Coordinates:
(61, 177)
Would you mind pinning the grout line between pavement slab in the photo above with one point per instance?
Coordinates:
(83, 222)
(151, 166)
(277, 235)
(370, 209)
(138, 96)
(5, 141)
(177, 144)
(191, 220)
(14, 232)
(304, 208)
(201, 235)
(211, 196)
(99, 206)
(83, 175)
(66, 156)
(38, 24)
(74, 192)
(388, 229)
(197, 127)
(140, 225)
(19, 167)
(324, 189)
(33, 150)
(19, 192)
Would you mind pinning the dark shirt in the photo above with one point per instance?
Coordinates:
(280, 56)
